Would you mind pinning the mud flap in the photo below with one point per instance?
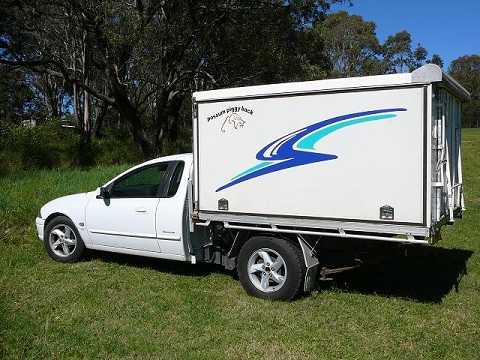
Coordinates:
(311, 264)
(311, 278)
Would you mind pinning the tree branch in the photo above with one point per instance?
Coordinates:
(34, 64)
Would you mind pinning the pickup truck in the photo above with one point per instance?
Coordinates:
(281, 173)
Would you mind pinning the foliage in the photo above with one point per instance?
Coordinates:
(437, 60)
(419, 57)
(18, 101)
(116, 147)
(113, 306)
(399, 55)
(353, 49)
(49, 145)
(142, 59)
(466, 70)
(350, 43)
(42, 146)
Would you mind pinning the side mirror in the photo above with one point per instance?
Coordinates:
(104, 194)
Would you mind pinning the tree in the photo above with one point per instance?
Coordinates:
(466, 70)
(437, 60)
(143, 58)
(397, 52)
(17, 100)
(350, 43)
(398, 55)
(419, 57)
(47, 41)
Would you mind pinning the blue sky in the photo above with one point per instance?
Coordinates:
(450, 29)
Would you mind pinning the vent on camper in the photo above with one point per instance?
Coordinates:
(386, 212)
(223, 204)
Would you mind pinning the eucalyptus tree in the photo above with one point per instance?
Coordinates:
(399, 56)
(48, 38)
(141, 59)
(466, 69)
(350, 44)
(437, 60)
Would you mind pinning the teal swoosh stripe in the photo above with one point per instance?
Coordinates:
(253, 168)
(309, 142)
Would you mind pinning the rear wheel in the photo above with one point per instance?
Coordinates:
(62, 240)
(271, 268)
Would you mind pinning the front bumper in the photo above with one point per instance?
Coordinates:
(40, 224)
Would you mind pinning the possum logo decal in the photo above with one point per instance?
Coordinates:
(232, 120)
(298, 148)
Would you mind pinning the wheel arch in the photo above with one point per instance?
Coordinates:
(54, 215)
(245, 235)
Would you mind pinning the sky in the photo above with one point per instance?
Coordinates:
(448, 28)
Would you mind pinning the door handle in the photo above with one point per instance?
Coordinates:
(140, 210)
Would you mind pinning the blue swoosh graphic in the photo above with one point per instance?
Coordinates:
(298, 147)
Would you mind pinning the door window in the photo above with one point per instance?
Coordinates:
(147, 182)
(176, 177)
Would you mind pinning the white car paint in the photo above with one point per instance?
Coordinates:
(71, 206)
(139, 226)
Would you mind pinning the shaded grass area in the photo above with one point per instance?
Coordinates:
(424, 274)
(425, 305)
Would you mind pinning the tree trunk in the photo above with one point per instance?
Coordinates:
(76, 105)
(86, 96)
(128, 114)
(86, 115)
(167, 114)
(99, 121)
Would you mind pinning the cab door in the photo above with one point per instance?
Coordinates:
(171, 213)
(126, 217)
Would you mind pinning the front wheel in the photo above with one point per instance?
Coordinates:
(271, 268)
(62, 240)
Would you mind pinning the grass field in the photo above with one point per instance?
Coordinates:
(425, 306)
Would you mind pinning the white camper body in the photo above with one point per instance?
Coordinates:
(369, 157)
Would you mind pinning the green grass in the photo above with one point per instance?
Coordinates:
(423, 306)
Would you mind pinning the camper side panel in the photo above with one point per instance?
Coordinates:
(355, 155)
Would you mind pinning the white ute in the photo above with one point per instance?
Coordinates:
(280, 175)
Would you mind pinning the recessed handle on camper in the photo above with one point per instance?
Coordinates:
(140, 210)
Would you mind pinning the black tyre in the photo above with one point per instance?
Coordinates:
(271, 268)
(62, 240)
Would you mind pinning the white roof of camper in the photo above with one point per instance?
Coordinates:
(426, 74)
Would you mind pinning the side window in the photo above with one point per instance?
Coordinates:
(176, 178)
(147, 182)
